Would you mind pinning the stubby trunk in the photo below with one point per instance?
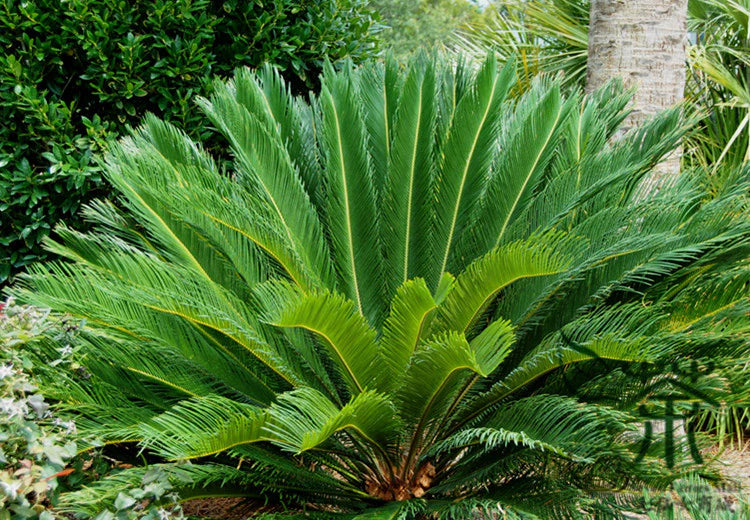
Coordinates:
(642, 42)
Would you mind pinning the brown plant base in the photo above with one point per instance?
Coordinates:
(399, 489)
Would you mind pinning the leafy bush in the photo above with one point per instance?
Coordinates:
(37, 448)
(423, 24)
(411, 298)
(552, 37)
(73, 73)
(34, 445)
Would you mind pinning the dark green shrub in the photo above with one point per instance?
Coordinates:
(73, 73)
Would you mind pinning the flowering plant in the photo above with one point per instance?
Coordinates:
(35, 446)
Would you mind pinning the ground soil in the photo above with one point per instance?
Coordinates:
(220, 508)
(736, 466)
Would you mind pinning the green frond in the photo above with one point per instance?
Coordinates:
(527, 146)
(442, 364)
(145, 283)
(348, 338)
(265, 165)
(380, 86)
(580, 432)
(353, 221)
(153, 148)
(411, 311)
(480, 283)
(298, 421)
(465, 159)
(491, 438)
(304, 419)
(300, 348)
(204, 426)
(409, 188)
(104, 414)
(546, 359)
(200, 223)
(493, 345)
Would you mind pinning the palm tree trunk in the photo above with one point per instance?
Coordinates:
(642, 42)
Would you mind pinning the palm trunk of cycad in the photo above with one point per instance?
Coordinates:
(642, 42)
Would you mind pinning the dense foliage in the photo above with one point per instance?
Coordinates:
(413, 297)
(549, 36)
(410, 26)
(73, 73)
(35, 446)
(719, 80)
(552, 37)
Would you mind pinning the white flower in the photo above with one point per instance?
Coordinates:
(66, 351)
(12, 408)
(6, 370)
(164, 514)
(70, 426)
(36, 401)
(11, 490)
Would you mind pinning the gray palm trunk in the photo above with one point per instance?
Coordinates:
(642, 42)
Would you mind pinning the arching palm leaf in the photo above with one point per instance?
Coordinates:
(412, 297)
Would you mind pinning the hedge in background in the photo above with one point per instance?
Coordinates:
(75, 72)
(411, 25)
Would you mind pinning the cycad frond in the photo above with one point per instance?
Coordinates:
(412, 310)
(526, 148)
(243, 112)
(344, 331)
(411, 298)
(480, 283)
(411, 180)
(466, 159)
(353, 222)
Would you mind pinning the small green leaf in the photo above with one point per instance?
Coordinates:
(123, 501)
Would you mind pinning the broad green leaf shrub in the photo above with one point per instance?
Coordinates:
(412, 297)
(39, 447)
(35, 446)
(75, 73)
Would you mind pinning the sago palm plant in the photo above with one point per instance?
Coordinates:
(410, 298)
